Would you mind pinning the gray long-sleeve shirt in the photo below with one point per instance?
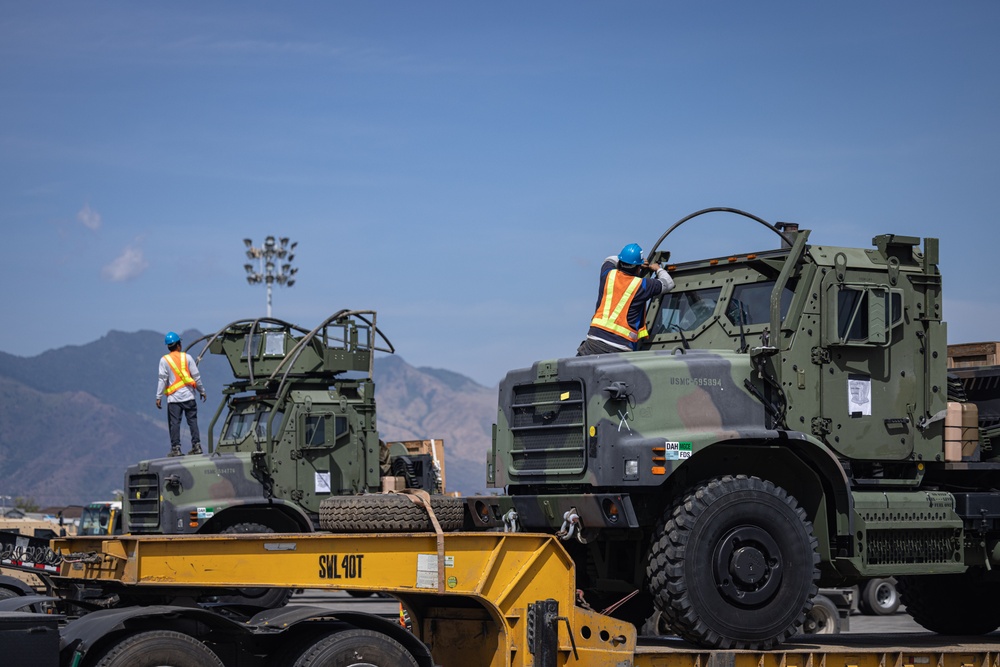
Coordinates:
(167, 378)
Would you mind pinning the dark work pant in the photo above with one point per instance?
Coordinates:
(591, 346)
(174, 411)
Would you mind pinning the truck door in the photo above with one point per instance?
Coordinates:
(870, 386)
(319, 470)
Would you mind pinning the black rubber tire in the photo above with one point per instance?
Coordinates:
(388, 513)
(158, 648)
(727, 525)
(7, 593)
(951, 604)
(823, 618)
(357, 648)
(878, 597)
(265, 598)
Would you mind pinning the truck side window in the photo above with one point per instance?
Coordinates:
(852, 314)
(315, 432)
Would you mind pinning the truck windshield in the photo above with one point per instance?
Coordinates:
(686, 310)
(752, 303)
(95, 521)
(242, 423)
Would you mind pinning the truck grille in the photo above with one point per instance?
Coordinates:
(908, 547)
(548, 427)
(143, 503)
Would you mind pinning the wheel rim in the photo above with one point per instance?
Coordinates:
(748, 566)
(885, 595)
(818, 622)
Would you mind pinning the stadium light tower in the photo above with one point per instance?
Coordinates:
(274, 264)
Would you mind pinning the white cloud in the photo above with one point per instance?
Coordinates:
(90, 218)
(127, 266)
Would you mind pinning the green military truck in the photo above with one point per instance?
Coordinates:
(788, 424)
(298, 429)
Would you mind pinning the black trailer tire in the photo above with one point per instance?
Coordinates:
(878, 597)
(951, 604)
(823, 618)
(733, 564)
(7, 593)
(357, 648)
(159, 648)
(388, 513)
(265, 598)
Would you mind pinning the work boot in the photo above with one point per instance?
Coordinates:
(195, 449)
(175, 451)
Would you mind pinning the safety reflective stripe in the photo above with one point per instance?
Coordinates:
(612, 314)
(177, 361)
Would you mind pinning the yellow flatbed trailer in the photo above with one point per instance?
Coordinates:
(493, 600)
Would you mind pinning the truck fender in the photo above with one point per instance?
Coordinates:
(244, 511)
(88, 632)
(836, 485)
(16, 585)
(289, 617)
(26, 600)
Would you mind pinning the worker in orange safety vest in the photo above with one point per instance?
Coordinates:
(618, 324)
(179, 379)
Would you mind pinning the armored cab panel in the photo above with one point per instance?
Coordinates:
(857, 342)
(621, 419)
(265, 348)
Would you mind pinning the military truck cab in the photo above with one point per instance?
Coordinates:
(783, 427)
(297, 426)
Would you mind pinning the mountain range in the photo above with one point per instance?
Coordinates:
(73, 418)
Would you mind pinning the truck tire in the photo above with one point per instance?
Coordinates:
(733, 564)
(823, 618)
(878, 597)
(951, 604)
(265, 598)
(159, 647)
(388, 513)
(357, 647)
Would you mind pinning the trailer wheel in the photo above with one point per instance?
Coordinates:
(951, 604)
(357, 648)
(733, 564)
(878, 597)
(388, 513)
(159, 647)
(265, 598)
(823, 618)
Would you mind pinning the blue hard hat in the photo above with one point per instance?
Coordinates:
(631, 254)
(171, 338)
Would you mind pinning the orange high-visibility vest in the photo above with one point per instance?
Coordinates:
(612, 311)
(178, 362)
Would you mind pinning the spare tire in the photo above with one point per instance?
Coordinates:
(388, 513)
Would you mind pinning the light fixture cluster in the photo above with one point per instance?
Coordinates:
(274, 264)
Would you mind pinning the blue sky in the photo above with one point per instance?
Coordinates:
(463, 167)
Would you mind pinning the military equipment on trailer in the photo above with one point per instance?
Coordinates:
(788, 424)
(298, 427)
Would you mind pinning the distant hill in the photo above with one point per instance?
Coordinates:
(71, 419)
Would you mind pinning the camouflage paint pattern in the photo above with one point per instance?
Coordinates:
(821, 369)
(296, 429)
